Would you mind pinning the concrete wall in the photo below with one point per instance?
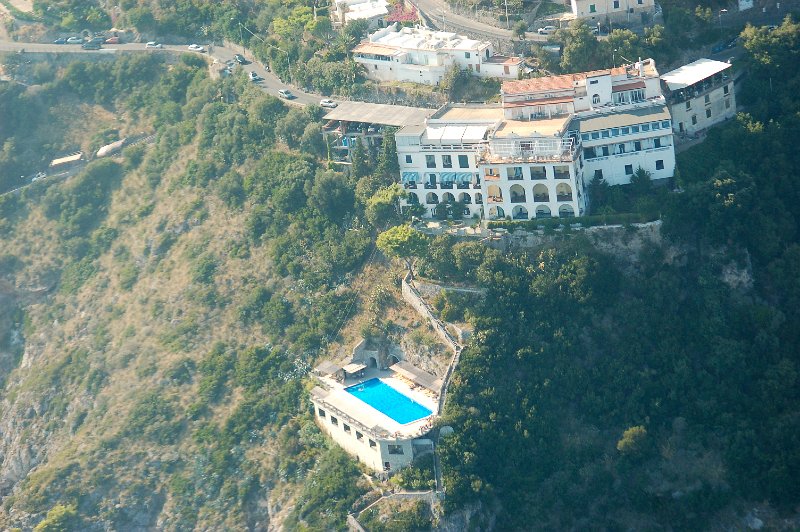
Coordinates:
(413, 298)
(720, 111)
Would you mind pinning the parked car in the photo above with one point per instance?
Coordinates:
(91, 46)
(287, 94)
(60, 40)
(38, 176)
(75, 40)
(253, 76)
(717, 48)
(97, 40)
(112, 40)
(328, 103)
(154, 44)
(732, 43)
(240, 59)
(547, 30)
(196, 48)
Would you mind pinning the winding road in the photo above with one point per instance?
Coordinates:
(270, 83)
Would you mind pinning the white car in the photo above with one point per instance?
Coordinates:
(253, 76)
(196, 48)
(75, 40)
(328, 103)
(154, 44)
(547, 30)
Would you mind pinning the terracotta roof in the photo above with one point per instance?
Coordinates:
(373, 48)
(549, 83)
(538, 101)
(503, 60)
(628, 86)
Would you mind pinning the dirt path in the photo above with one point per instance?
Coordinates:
(22, 5)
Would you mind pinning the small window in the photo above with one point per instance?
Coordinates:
(321, 412)
(640, 2)
(592, 8)
(615, 132)
(665, 124)
(634, 129)
(598, 174)
(595, 135)
(447, 161)
(656, 143)
(605, 151)
(346, 427)
(688, 105)
(594, 81)
(708, 113)
(463, 161)
(659, 164)
(595, 99)
(408, 159)
(694, 120)
(466, 55)
(626, 130)
(656, 125)
(616, 4)
(620, 148)
(359, 436)
(395, 449)
(727, 104)
(430, 161)
(707, 99)
(372, 444)
(725, 89)
(585, 136)
(645, 127)
(334, 421)
(637, 146)
(605, 133)
(628, 169)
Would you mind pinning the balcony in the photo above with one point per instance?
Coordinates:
(542, 198)
(448, 185)
(564, 197)
(479, 201)
(410, 185)
(518, 198)
(430, 186)
(476, 186)
(462, 186)
(495, 199)
(492, 177)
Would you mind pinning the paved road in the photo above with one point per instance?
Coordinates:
(438, 12)
(270, 83)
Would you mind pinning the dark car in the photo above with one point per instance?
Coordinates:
(91, 46)
(96, 40)
(240, 59)
(60, 40)
(717, 48)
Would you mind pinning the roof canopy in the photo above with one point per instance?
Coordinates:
(625, 118)
(377, 113)
(417, 376)
(687, 75)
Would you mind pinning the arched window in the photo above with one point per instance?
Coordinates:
(540, 193)
(431, 199)
(517, 194)
(595, 99)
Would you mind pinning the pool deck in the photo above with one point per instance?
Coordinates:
(337, 397)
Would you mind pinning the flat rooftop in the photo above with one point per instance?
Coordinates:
(378, 113)
(362, 413)
(625, 118)
(687, 75)
(552, 127)
(470, 112)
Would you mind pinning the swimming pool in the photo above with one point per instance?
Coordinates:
(389, 401)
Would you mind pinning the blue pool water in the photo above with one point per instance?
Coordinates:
(389, 401)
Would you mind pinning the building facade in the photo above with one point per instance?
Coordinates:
(421, 55)
(345, 11)
(700, 95)
(613, 11)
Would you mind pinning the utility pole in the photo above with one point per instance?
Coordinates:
(508, 26)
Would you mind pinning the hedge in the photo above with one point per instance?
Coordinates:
(585, 221)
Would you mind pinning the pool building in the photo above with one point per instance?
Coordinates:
(380, 416)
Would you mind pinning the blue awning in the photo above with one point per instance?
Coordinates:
(448, 177)
(410, 177)
(464, 177)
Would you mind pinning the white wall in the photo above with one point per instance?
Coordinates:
(717, 104)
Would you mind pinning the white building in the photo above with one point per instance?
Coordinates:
(422, 55)
(614, 11)
(700, 95)
(373, 11)
(366, 432)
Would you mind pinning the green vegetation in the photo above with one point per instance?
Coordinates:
(669, 381)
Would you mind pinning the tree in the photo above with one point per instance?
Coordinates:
(382, 207)
(330, 195)
(312, 140)
(632, 441)
(359, 158)
(60, 518)
(519, 29)
(581, 51)
(641, 181)
(388, 166)
(403, 242)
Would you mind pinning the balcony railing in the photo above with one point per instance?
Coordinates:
(515, 177)
(411, 185)
(430, 186)
(562, 175)
(495, 199)
(491, 177)
(462, 186)
(478, 201)
(476, 186)
(517, 199)
(448, 185)
(541, 197)
(564, 197)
